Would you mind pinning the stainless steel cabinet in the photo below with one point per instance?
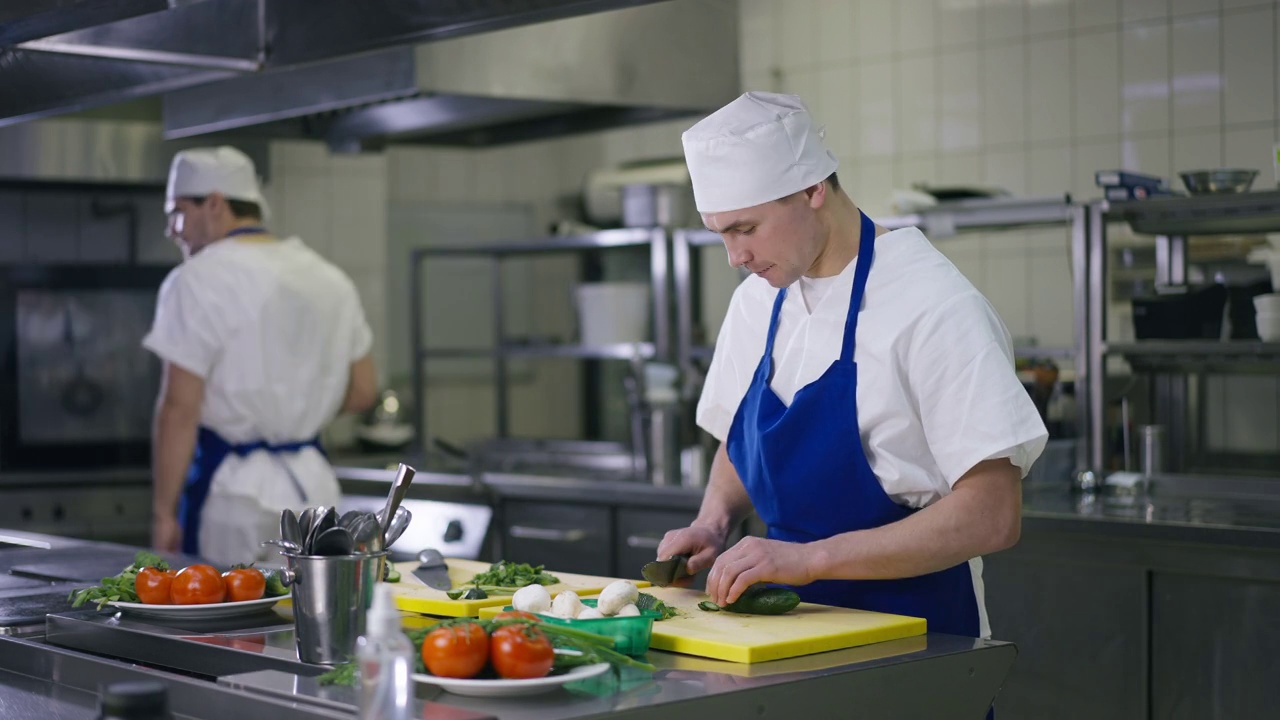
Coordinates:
(639, 532)
(1078, 625)
(1123, 621)
(563, 536)
(1213, 647)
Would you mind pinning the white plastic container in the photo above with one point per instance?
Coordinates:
(1269, 256)
(1269, 326)
(1269, 303)
(385, 657)
(613, 312)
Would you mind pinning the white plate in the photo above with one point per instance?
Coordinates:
(512, 688)
(209, 611)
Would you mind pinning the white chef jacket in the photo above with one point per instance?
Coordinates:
(272, 328)
(937, 392)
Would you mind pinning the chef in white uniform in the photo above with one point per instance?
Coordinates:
(862, 389)
(263, 342)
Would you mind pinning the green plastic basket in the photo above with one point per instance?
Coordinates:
(630, 634)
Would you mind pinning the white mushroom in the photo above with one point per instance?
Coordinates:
(566, 605)
(590, 613)
(532, 598)
(617, 594)
(628, 610)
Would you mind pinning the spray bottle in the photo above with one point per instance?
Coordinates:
(385, 657)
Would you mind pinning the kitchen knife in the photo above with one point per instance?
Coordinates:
(665, 572)
(432, 570)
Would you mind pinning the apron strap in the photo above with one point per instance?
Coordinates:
(249, 230)
(773, 324)
(866, 248)
(211, 450)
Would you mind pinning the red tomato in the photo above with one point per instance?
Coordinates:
(518, 615)
(456, 651)
(197, 585)
(152, 585)
(520, 652)
(244, 584)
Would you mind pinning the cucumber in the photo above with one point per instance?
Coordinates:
(759, 600)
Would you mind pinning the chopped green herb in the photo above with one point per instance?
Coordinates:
(507, 574)
(649, 602)
(119, 587)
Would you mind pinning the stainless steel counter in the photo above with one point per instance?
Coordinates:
(1215, 511)
(249, 668)
(499, 486)
(1229, 509)
(883, 680)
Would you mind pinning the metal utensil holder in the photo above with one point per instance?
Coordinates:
(331, 596)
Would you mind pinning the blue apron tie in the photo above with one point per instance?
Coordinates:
(211, 450)
(808, 477)
(250, 230)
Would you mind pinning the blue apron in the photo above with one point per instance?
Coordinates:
(808, 477)
(211, 450)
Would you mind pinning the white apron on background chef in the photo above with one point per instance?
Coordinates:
(862, 389)
(263, 342)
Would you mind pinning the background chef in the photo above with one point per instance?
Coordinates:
(862, 389)
(262, 343)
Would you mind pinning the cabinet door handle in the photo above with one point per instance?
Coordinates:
(548, 534)
(643, 541)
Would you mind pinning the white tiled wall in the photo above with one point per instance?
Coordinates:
(1032, 96)
(1028, 95)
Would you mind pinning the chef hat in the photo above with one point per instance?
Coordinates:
(761, 147)
(201, 171)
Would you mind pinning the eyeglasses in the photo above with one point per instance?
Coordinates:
(176, 218)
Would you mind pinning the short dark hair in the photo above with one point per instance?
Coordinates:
(835, 181)
(240, 209)
(245, 210)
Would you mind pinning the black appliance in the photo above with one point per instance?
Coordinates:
(77, 389)
(1180, 313)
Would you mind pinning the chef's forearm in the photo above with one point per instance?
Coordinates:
(983, 514)
(725, 503)
(173, 444)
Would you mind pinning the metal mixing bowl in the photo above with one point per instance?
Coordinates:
(1217, 182)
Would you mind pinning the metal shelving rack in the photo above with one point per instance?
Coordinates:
(944, 220)
(1171, 220)
(502, 350)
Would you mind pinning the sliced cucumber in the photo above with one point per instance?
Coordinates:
(758, 600)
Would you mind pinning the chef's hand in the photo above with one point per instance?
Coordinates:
(166, 533)
(757, 560)
(701, 544)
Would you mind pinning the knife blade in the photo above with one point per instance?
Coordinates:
(432, 570)
(665, 572)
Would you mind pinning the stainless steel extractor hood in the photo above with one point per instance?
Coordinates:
(360, 75)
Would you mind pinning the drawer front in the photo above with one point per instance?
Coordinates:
(564, 537)
(639, 532)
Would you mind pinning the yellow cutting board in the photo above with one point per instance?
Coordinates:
(758, 638)
(413, 596)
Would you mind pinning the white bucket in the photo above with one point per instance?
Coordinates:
(1268, 303)
(613, 312)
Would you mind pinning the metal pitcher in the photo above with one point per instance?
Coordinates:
(331, 596)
